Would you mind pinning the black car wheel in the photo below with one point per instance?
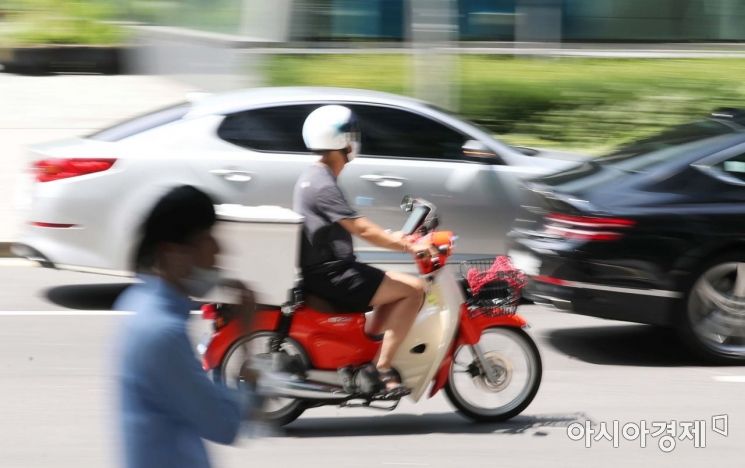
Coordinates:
(713, 318)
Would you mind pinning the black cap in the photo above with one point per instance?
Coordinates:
(178, 216)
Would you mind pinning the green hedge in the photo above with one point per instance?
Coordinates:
(577, 104)
(42, 22)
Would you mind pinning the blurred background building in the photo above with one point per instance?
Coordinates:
(482, 20)
(226, 40)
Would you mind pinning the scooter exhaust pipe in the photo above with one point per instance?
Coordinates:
(276, 383)
(291, 388)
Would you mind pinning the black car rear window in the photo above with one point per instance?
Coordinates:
(675, 137)
(686, 143)
(142, 123)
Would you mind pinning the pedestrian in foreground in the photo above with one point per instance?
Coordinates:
(168, 404)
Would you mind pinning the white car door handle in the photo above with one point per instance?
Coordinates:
(384, 180)
(233, 175)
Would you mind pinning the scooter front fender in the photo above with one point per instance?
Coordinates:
(469, 332)
(470, 328)
(222, 339)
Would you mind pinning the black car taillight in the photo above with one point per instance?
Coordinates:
(588, 228)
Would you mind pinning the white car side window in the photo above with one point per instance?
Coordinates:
(391, 132)
(269, 129)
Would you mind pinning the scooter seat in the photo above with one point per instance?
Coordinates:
(322, 305)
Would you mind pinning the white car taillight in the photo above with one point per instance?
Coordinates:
(47, 170)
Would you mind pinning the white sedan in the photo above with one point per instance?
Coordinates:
(89, 195)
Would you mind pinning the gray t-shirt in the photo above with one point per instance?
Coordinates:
(319, 199)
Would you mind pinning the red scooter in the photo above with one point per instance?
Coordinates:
(467, 339)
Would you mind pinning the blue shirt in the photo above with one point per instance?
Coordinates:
(168, 404)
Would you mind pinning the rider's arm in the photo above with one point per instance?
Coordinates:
(374, 234)
(332, 203)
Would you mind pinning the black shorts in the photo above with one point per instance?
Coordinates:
(349, 285)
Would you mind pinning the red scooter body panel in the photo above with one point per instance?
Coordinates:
(333, 340)
(265, 320)
(469, 332)
(470, 328)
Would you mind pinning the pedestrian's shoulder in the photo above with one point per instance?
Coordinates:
(151, 312)
(154, 334)
(133, 298)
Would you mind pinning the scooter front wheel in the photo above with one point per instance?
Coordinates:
(516, 375)
(279, 411)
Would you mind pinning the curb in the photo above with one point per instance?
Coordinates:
(5, 250)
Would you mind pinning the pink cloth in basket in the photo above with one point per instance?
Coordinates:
(503, 270)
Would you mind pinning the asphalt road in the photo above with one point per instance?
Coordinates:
(56, 405)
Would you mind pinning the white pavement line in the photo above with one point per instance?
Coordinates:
(14, 262)
(730, 378)
(405, 464)
(70, 313)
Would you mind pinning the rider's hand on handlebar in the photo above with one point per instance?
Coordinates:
(413, 246)
(408, 241)
(420, 249)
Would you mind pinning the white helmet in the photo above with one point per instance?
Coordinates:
(332, 128)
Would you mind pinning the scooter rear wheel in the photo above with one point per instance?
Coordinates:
(514, 358)
(279, 411)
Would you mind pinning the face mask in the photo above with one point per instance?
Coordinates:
(201, 281)
(354, 150)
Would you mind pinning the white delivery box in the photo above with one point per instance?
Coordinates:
(260, 245)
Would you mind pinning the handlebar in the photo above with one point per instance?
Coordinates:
(421, 226)
(439, 245)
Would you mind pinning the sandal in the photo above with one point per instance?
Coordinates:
(364, 379)
(388, 391)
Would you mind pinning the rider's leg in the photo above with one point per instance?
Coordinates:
(377, 324)
(397, 302)
(394, 288)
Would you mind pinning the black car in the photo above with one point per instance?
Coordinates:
(653, 233)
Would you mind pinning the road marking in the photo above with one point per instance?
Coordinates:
(16, 262)
(730, 378)
(70, 313)
(405, 464)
